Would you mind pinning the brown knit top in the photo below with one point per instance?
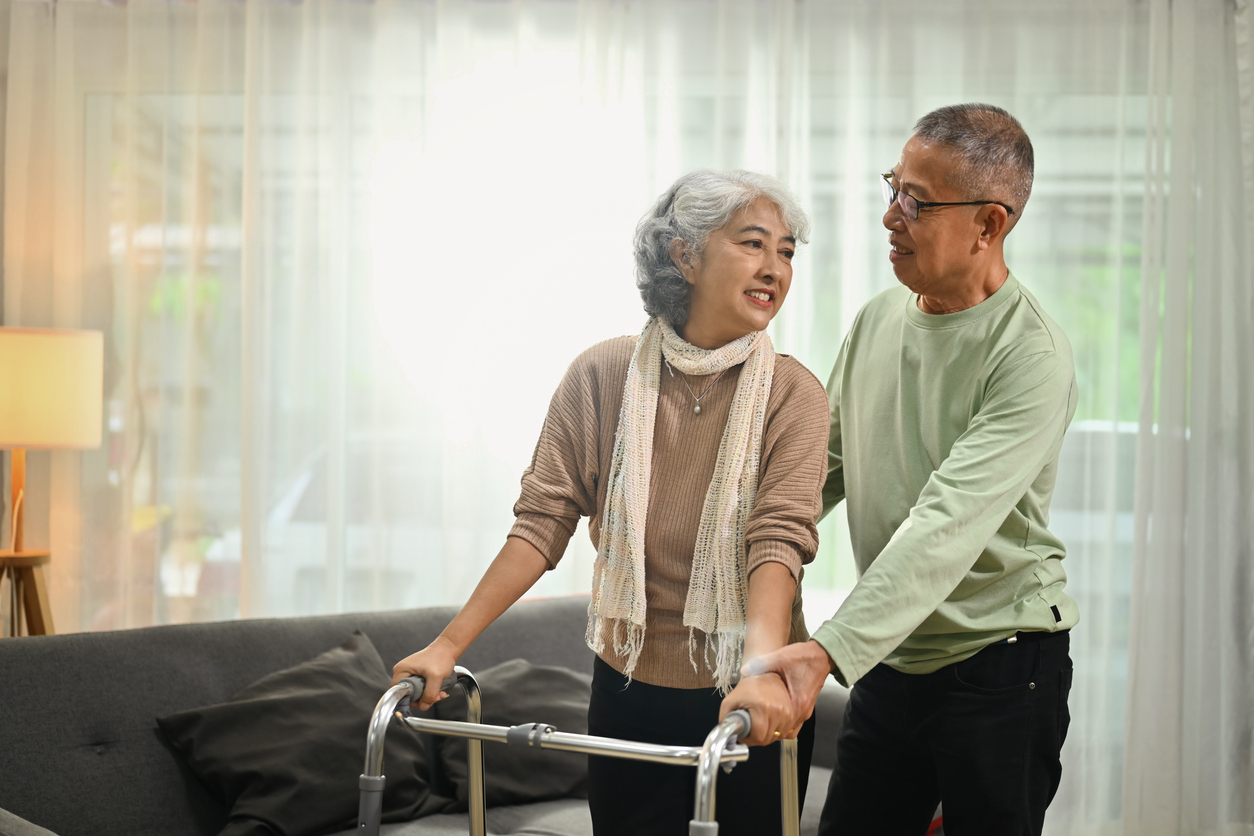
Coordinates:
(564, 482)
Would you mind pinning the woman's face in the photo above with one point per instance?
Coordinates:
(740, 281)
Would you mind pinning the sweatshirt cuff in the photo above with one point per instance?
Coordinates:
(548, 534)
(774, 551)
(829, 639)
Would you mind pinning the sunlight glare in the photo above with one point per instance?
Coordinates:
(502, 242)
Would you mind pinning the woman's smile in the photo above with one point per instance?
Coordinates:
(762, 298)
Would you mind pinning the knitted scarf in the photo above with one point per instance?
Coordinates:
(717, 588)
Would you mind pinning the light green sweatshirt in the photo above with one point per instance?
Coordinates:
(944, 444)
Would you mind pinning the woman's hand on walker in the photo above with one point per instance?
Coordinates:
(433, 663)
(769, 704)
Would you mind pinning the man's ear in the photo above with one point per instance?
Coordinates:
(992, 220)
(681, 255)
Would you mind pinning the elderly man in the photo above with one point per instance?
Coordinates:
(949, 400)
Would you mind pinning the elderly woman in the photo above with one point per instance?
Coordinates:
(699, 455)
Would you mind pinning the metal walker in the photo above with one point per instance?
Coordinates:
(720, 749)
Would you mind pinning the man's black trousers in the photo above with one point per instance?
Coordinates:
(983, 736)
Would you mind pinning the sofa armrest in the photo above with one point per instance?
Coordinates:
(11, 825)
(829, 713)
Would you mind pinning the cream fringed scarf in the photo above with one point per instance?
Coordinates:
(718, 586)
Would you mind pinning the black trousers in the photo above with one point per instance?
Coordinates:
(983, 736)
(633, 798)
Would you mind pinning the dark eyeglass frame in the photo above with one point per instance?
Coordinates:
(893, 194)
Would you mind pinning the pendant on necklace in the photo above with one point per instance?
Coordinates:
(696, 410)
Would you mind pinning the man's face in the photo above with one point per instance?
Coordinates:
(936, 253)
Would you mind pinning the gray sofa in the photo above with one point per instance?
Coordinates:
(81, 754)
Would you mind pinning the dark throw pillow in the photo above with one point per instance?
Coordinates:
(513, 693)
(284, 753)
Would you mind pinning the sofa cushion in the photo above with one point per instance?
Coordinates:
(829, 710)
(284, 753)
(816, 795)
(565, 817)
(513, 693)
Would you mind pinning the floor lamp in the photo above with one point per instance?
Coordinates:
(51, 384)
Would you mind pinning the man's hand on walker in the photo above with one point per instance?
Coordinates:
(803, 667)
(769, 706)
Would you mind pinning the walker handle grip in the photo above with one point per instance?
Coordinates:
(741, 714)
(419, 684)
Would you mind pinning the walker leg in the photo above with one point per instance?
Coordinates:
(790, 809)
(372, 780)
(474, 760)
(736, 725)
(370, 804)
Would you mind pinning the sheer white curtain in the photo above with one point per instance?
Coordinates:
(343, 251)
(1189, 765)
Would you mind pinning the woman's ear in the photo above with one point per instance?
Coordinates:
(682, 256)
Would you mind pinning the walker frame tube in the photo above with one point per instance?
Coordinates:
(720, 749)
(735, 726)
(372, 781)
(738, 725)
(789, 789)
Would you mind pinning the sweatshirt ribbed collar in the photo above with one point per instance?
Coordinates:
(935, 322)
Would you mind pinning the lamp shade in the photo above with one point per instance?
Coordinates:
(51, 385)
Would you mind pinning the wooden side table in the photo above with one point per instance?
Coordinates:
(30, 589)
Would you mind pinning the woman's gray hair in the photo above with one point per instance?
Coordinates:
(695, 206)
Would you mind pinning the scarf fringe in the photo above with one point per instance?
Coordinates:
(626, 639)
(723, 654)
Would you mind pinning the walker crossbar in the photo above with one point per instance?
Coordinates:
(550, 738)
(720, 749)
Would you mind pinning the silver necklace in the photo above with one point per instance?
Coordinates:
(696, 410)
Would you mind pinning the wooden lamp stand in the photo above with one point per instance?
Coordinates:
(24, 568)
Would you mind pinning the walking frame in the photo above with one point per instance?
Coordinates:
(720, 749)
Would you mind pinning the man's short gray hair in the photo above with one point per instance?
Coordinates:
(994, 152)
(695, 206)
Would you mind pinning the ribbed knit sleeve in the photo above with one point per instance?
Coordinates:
(777, 551)
(782, 526)
(560, 484)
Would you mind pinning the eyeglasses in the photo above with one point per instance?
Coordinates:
(910, 206)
